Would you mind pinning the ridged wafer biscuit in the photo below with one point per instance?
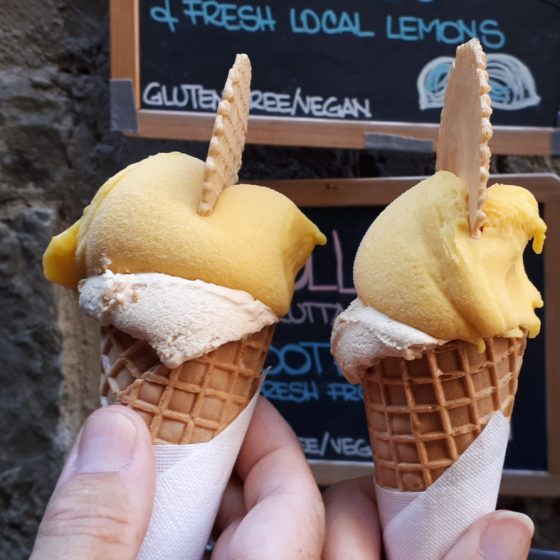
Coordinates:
(465, 128)
(228, 137)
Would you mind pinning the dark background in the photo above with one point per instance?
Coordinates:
(56, 149)
(380, 68)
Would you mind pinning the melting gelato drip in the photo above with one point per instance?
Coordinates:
(180, 319)
(418, 265)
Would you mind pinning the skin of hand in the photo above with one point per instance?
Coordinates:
(353, 525)
(102, 503)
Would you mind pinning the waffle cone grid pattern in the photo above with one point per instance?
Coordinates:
(191, 403)
(423, 413)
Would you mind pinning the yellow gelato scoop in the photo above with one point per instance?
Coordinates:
(418, 264)
(144, 219)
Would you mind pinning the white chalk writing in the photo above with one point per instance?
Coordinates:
(346, 446)
(195, 97)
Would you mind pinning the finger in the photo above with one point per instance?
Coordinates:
(232, 507)
(352, 522)
(285, 513)
(102, 503)
(500, 535)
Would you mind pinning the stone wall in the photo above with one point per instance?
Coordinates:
(55, 150)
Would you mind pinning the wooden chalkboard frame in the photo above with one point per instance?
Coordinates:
(382, 191)
(127, 116)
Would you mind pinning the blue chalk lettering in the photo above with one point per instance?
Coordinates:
(408, 27)
(301, 358)
(449, 40)
(389, 28)
(194, 10)
(229, 18)
(309, 17)
(450, 32)
(426, 29)
(246, 16)
(266, 20)
(293, 22)
(344, 392)
(295, 369)
(162, 14)
(214, 18)
(293, 391)
(282, 356)
(358, 26)
(273, 356)
(468, 32)
(330, 23)
(491, 36)
(315, 348)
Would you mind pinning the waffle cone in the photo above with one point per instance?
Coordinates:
(191, 403)
(423, 413)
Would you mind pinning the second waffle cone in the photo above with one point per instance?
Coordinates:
(191, 403)
(423, 413)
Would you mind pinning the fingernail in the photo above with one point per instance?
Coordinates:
(508, 537)
(107, 444)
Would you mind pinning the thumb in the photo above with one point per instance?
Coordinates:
(103, 500)
(500, 535)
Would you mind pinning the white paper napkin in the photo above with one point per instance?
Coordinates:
(425, 525)
(190, 482)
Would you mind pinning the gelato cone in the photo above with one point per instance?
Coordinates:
(191, 403)
(437, 334)
(423, 413)
(187, 274)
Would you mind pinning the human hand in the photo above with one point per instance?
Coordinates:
(353, 525)
(103, 500)
(272, 508)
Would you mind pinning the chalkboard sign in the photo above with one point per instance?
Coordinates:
(326, 411)
(304, 382)
(358, 68)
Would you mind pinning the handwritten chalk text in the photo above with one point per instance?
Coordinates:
(308, 391)
(329, 22)
(449, 32)
(300, 358)
(195, 97)
(344, 392)
(346, 446)
(306, 279)
(261, 18)
(291, 391)
(313, 312)
(228, 16)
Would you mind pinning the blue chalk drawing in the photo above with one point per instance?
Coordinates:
(432, 81)
(512, 84)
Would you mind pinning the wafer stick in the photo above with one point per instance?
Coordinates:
(228, 137)
(465, 129)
